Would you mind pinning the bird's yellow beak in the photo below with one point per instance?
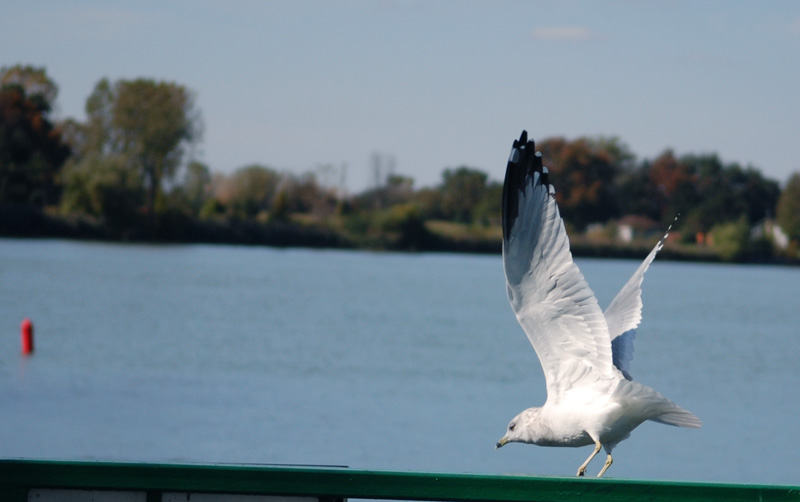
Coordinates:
(501, 443)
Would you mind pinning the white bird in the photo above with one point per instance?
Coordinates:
(585, 353)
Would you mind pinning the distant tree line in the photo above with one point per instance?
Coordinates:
(126, 173)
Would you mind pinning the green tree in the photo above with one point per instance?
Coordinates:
(196, 186)
(280, 207)
(788, 210)
(306, 196)
(731, 239)
(429, 200)
(100, 179)
(103, 186)
(760, 194)
(396, 189)
(31, 149)
(636, 195)
(462, 190)
(726, 192)
(403, 227)
(252, 190)
(147, 123)
(154, 122)
(187, 198)
(97, 132)
(489, 210)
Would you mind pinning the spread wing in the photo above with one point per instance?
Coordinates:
(624, 313)
(548, 294)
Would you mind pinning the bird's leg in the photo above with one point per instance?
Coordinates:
(582, 468)
(609, 461)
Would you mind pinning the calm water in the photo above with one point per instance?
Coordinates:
(371, 360)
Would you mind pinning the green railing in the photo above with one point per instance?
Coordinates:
(21, 480)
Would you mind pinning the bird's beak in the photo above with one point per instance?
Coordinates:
(501, 443)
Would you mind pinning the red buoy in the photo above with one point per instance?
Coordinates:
(27, 336)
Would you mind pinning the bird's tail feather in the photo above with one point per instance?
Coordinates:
(654, 406)
(679, 418)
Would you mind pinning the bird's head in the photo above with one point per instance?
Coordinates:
(521, 428)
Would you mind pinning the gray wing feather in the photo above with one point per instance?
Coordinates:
(624, 313)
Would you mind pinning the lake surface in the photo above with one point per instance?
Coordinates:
(372, 360)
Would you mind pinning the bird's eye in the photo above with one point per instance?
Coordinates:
(511, 426)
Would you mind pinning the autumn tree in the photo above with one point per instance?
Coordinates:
(33, 81)
(673, 185)
(617, 151)
(584, 174)
(31, 149)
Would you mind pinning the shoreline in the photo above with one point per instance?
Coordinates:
(27, 223)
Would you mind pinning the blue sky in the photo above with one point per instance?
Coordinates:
(437, 83)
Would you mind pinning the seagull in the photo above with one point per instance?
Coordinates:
(585, 353)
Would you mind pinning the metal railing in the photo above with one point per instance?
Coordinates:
(22, 480)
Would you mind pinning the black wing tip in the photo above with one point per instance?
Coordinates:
(522, 163)
(545, 175)
(523, 138)
(522, 143)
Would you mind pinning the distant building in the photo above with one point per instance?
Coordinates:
(771, 231)
(633, 227)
